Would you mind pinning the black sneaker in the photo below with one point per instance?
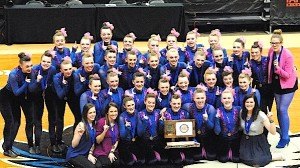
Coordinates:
(61, 147)
(37, 150)
(55, 149)
(15, 152)
(31, 150)
(10, 153)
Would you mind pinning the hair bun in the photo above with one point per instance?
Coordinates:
(277, 31)
(21, 55)
(57, 31)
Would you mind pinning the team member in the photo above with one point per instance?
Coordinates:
(14, 96)
(227, 127)
(63, 84)
(43, 81)
(204, 114)
(80, 153)
(130, 151)
(107, 138)
(106, 39)
(60, 50)
(283, 76)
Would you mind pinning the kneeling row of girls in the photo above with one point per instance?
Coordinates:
(136, 137)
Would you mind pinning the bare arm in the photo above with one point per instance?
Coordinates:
(78, 134)
(269, 124)
(101, 136)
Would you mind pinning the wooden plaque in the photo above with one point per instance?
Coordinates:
(179, 128)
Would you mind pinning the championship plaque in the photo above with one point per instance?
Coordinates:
(179, 128)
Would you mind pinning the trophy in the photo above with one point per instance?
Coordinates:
(180, 129)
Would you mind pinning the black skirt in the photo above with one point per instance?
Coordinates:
(255, 150)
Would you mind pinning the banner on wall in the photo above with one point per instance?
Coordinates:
(285, 12)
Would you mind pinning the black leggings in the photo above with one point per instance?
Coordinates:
(83, 162)
(224, 145)
(38, 109)
(11, 111)
(126, 149)
(105, 162)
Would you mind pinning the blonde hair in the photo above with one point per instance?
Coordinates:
(163, 81)
(111, 74)
(200, 52)
(153, 37)
(86, 55)
(58, 33)
(243, 75)
(277, 34)
(173, 51)
(227, 91)
(153, 55)
(208, 72)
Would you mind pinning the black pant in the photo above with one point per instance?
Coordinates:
(38, 110)
(56, 116)
(11, 111)
(224, 145)
(153, 147)
(126, 149)
(83, 162)
(105, 162)
(50, 100)
(208, 142)
(267, 99)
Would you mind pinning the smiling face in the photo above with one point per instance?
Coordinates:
(113, 81)
(95, 86)
(199, 99)
(244, 83)
(66, 69)
(171, 41)
(164, 87)
(85, 44)
(255, 54)
(227, 100)
(59, 42)
(213, 41)
(199, 60)
(210, 80)
(46, 62)
(191, 40)
(153, 61)
(250, 104)
(183, 83)
(173, 57)
(138, 82)
(150, 104)
(237, 48)
(112, 113)
(276, 44)
(91, 114)
(106, 35)
(129, 106)
(131, 60)
(26, 66)
(128, 43)
(228, 80)
(175, 104)
(111, 58)
(218, 56)
(88, 64)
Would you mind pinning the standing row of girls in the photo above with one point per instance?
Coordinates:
(171, 71)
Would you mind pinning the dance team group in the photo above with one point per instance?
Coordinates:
(121, 98)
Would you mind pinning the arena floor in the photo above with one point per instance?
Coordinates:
(9, 60)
